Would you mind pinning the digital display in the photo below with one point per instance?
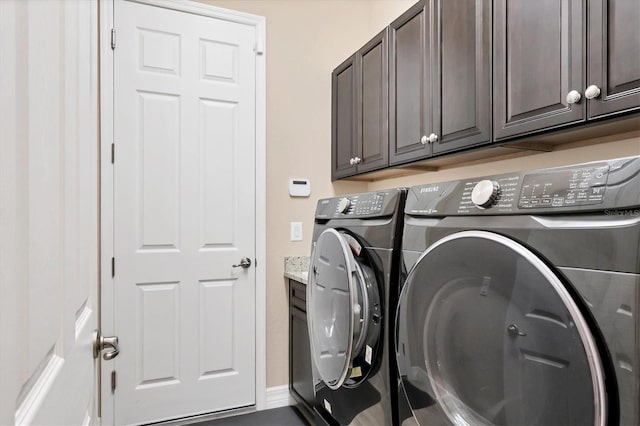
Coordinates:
(565, 188)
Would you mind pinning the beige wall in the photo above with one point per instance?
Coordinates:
(306, 39)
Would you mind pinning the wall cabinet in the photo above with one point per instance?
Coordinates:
(613, 58)
(440, 78)
(412, 63)
(463, 73)
(554, 67)
(300, 369)
(360, 102)
(538, 60)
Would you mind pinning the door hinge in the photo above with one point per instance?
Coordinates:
(113, 38)
(258, 47)
(113, 153)
(113, 381)
(113, 267)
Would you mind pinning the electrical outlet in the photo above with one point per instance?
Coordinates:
(296, 231)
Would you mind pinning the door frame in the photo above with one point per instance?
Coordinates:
(106, 89)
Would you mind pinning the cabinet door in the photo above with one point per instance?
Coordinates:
(373, 102)
(538, 59)
(300, 354)
(614, 55)
(465, 61)
(343, 116)
(411, 83)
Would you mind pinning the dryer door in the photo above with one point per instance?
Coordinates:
(488, 334)
(343, 310)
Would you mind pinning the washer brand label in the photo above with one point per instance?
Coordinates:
(429, 189)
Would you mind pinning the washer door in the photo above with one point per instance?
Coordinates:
(488, 334)
(343, 310)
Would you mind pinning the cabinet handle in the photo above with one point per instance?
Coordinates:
(573, 97)
(592, 92)
(424, 139)
(433, 138)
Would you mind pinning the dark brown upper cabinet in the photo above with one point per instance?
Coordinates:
(463, 113)
(372, 106)
(360, 141)
(440, 78)
(538, 60)
(614, 57)
(412, 48)
(557, 62)
(343, 119)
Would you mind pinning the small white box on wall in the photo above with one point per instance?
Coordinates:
(299, 187)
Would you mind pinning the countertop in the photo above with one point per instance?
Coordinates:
(296, 268)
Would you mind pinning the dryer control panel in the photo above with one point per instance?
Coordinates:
(613, 184)
(364, 205)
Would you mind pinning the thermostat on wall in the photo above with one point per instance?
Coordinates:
(299, 187)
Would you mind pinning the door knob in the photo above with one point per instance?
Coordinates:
(573, 97)
(101, 343)
(592, 92)
(245, 262)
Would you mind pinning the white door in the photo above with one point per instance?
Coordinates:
(48, 212)
(184, 213)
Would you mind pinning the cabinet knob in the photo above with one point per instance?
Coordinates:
(592, 92)
(573, 97)
(424, 139)
(433, 138)
(352, 161)
(357, 160)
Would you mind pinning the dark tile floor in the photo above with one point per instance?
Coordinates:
(284, 416)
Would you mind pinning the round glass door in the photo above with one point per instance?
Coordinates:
(341, 303)
(487, 334)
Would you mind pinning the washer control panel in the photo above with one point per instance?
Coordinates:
(573, 187)
(599, 185)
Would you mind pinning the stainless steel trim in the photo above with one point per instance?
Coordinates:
(563, 222)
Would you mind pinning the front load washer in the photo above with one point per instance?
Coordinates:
(353, 279)
(521, 301)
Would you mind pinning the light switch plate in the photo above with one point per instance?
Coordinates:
(296, 231)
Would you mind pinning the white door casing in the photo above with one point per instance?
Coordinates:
(48, 211)
(187, 131)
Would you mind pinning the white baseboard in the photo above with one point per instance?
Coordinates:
(278, 396)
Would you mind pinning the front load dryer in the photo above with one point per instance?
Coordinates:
(521, 301)
(353, 280)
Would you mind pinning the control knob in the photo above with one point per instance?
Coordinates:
(485, 193)
(343, 205)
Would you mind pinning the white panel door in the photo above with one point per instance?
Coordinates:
(48, 212)
(184, 213)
